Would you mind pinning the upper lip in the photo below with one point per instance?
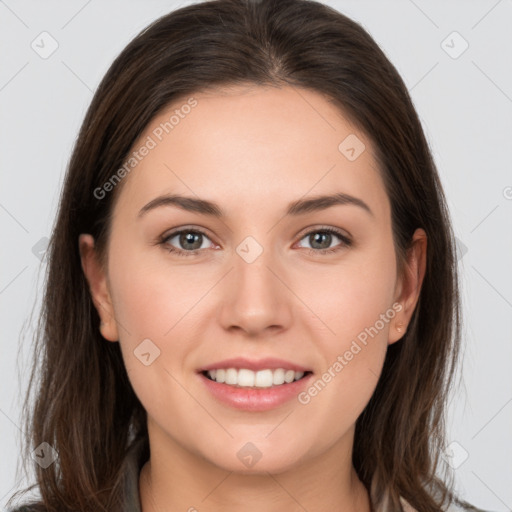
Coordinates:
(261, 364)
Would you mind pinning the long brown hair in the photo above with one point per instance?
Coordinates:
(84, 404)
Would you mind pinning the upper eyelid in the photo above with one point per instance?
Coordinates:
(173, 233)
(314, 228)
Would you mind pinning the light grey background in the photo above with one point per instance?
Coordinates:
(464, 101)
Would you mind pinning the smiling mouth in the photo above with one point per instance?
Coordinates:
(245, 378)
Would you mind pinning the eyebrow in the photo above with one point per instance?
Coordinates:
(299, 207)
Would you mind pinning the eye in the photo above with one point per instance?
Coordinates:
(320, 240)
(188, 242)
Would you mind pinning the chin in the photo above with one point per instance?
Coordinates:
(248, 459)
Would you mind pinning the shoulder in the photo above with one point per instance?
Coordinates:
(456, 506)
(463, 506)
(27, 508)
(137, 455)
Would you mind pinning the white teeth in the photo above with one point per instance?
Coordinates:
(245, 378)
(231, 376)
(263, 379)
(278, 377)
(289, 376)
(260, 379)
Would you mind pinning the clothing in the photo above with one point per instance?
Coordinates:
(134, 462)
(131, 500)
(131, 468)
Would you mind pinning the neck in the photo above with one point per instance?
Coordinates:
(177, 479)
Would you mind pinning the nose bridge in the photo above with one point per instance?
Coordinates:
(257, 299)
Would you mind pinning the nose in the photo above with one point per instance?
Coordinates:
(255, 299)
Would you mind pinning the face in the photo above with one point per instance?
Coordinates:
(264, 274)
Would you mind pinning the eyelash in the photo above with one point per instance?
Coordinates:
(346, 242)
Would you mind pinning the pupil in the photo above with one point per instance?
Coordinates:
(317, 239)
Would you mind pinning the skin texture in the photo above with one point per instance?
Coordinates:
(252, 150)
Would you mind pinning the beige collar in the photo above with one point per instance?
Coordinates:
(406, 506)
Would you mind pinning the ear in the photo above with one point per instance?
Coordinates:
(408, 285)
(98, 286)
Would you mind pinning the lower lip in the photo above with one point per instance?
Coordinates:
(255, 400)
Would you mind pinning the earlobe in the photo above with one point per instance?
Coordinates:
(410, 283)
(98, 286)
(397, 329)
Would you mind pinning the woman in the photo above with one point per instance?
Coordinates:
(252, 300)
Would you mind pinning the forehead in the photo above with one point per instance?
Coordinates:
(254, 146)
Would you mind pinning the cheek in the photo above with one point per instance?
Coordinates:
(151, 313)
(351, 296)
(151, 296)
(355, 305)
(352, 364)
(156, 301)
